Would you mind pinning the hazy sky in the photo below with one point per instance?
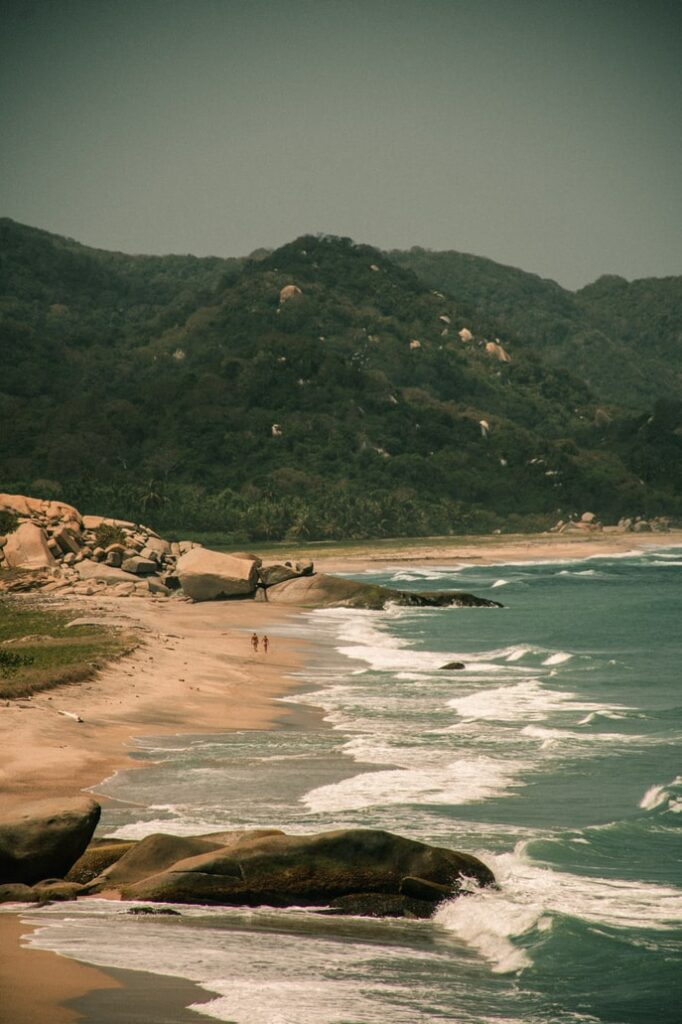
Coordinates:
(542, 133)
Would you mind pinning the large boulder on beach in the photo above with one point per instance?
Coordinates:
(26, 548)
(206, 575)
(270, 572)
(323, 591)
(159, 851)
(45, 838)
(283, 870)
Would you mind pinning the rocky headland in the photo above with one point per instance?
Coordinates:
(57, 550)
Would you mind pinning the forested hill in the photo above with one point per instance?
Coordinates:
(321, 390)
(623, 338)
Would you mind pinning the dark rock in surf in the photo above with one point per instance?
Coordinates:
(323, 591)
(453, 665)
(422, 889)
(379, 904)
(280, 870)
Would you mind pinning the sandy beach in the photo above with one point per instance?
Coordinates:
(193, 671)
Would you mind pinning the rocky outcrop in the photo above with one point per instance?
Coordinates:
(206, 575)
(62, 551)
(45, 839)
(274, 869)
(589, 523)
(323, 591)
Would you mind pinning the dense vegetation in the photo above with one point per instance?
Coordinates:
(184, 392)
(623, 338)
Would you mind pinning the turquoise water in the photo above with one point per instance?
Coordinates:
(554, 756)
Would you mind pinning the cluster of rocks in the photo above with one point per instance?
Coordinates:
(47, 853)
(589, 523)
(61, 548)
(55, 538)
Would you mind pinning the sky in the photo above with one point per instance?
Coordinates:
(545, 134)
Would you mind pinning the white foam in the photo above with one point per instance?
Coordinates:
(526, 701)
(530, 896)
(500, 583)
(464, 781)
(658, 795)
(557, 659)
(488, 925)
(551, 736)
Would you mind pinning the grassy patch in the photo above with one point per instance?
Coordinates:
(39, 651)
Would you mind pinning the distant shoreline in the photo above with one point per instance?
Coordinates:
(486, 549)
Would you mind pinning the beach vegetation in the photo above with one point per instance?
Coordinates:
(39, 650)
(109, 533)
(8, 521)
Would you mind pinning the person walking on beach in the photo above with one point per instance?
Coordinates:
(266, 644)
(254, 643)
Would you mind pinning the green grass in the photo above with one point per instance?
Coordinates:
(38, 651)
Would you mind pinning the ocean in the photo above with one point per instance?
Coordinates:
(553, 756)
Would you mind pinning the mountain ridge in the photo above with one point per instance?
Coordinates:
(187, 387)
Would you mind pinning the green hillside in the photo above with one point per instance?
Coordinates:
(623, 339)
(190, 392)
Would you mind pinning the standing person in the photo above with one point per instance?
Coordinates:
(266, 644)
(254, 643)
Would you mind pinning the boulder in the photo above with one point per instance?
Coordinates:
(158, 546)
(139, 566)
(57, 889)
(27, 548)
(98, 571)
(323, 591)
(155, 586)
(100, 855)
(17, 892)
(92, 522)
(67, 540)
(289, 291)
(283, 870)
(494, 348)
(206, 575)
(157, 852)
(270, 573)
(454, 666)
(45, 838)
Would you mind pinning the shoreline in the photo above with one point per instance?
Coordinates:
(487, 549)
(192, 672)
